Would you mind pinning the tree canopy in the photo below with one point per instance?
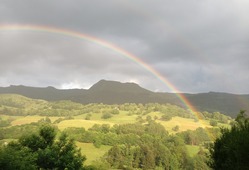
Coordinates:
(231, 150)
(42, 151)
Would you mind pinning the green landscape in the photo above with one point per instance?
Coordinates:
(119, 136)
(124, 85)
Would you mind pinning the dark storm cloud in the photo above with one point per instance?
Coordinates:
(199, 46)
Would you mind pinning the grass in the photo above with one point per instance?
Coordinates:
(20, 120)
(91, 152)
(183, 123)
(7, 117)
(121, 118)
(26, 120)
(80, 123)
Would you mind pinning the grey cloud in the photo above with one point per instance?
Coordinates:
(197, 45)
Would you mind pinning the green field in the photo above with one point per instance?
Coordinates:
(80, 123)
(183, 123)
(20, 120)
(26, 120)
(122, 118)
(91, 152)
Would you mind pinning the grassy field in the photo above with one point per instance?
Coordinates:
(20, 120)
(122, 118)
(183, 123)
(80, 123)
(26, 120)
(91, 152)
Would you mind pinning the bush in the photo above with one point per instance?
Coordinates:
(213, 123)
(88, 116)
(106, 115)
(176, 128)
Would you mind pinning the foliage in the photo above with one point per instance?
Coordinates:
(215, 116)
(106, 115)
(230, 151)
(176, 128)
(15, 132)
(213, 122)
(199, 161)
(14, 156)
(42, 151)
(150, 149)
(196, 137)
(88, 116)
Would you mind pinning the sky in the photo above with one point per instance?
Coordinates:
(194, 46)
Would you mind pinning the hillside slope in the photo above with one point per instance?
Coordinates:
(113, 92)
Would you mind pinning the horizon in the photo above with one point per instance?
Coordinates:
(16, 85)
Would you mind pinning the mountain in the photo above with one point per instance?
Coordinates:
(113, 92)
(47, 93)
(226, 103)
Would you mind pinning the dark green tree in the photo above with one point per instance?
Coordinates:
(42, 151)
(213, 122)
(106, 115)
(67, 155)
(230, 151)
(16, 157)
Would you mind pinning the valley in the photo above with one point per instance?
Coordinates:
(98, 128)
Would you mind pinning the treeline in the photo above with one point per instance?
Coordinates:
(15, 105)
(200, 136)
(15, 132)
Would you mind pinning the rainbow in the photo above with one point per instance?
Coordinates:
(105, 44)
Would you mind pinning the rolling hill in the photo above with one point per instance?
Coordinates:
(113, 92)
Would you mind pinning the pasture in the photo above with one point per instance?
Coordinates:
(91, 152)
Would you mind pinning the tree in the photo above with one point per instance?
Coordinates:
(88, 116)
(166, 117)
(42, 151)
(176, 128)
(199, 161)
(213, 122)
(230, 151)
(106, 115)
(68, 156)
(14, 156)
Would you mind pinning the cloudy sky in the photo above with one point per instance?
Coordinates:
(196, 45)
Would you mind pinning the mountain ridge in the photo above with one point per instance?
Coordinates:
(114, 92)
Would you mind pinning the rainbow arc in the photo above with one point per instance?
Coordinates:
(107, 45)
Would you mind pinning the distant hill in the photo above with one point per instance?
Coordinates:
(46, 93)
(113, 92)
(226, 103)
